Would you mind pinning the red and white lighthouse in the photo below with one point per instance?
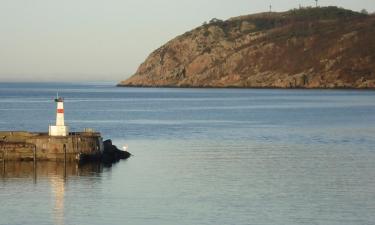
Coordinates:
(60, 129)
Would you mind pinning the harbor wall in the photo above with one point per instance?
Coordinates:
(24, 146)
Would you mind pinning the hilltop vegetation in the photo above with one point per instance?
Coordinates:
(325, 47)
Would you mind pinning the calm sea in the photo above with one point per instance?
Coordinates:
(201, 156)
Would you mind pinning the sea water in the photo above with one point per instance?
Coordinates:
(201, 156)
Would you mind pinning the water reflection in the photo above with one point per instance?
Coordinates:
(55, 173)
(58, 188)
(48, 169)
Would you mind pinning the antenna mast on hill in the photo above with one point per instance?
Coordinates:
(316, 3)
(270, 8)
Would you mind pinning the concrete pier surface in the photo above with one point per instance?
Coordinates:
(29, 146)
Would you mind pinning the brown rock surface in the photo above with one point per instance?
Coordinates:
(306, 48)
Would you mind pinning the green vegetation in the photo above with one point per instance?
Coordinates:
(295, 17)
(269, 21)
(265, 21)
(322, 13)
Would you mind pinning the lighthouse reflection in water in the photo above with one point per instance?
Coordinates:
(56, 175)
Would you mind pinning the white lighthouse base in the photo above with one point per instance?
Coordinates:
(58, 131)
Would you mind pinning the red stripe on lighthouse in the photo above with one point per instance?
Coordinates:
(60, 110)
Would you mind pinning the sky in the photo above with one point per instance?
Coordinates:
(106, 40)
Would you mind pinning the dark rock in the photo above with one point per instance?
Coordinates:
(112, 154)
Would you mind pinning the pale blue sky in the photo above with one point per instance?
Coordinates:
(106, 40)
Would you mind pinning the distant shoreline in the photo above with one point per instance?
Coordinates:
(236, 87)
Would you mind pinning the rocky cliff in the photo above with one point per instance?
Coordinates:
(325, 47)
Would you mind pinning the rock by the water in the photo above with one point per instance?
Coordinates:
(112, 154)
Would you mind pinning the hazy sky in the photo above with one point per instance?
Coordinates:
(106, 40)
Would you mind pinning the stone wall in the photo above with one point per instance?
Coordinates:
(20, 151)
(20, 146)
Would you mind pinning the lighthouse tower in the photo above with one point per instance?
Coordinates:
(60, 129)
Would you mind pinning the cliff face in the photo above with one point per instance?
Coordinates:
(310, 48)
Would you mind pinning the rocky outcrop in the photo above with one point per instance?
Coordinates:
(112, 154)
(305, 48)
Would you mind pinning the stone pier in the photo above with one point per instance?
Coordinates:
(24, 146)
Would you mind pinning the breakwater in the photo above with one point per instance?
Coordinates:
(24, 146)
(58, 144)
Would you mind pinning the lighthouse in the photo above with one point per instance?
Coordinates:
(59, 129)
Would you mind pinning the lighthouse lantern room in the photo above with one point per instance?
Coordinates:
(60, 129)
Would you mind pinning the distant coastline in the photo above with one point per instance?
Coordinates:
(306, 48)
(237, 87)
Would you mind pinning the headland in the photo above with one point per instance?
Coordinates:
(320, 47)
